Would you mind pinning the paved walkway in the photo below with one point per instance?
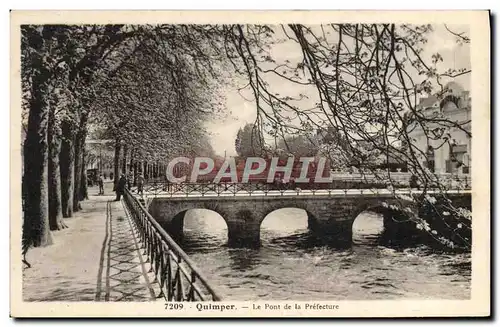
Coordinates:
(98, 258)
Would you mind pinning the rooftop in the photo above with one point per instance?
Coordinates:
(452, 90)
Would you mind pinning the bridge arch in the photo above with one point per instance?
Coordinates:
(285, 218)
(396, 225)
(377, 207)
(368, 223)
(171, 217)
(270, 208)
(178, 221)
(381, 206)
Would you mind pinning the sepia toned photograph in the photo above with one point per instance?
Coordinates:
(180, 165)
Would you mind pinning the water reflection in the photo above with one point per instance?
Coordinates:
(204, 231)
(243, 259)
(292, 263)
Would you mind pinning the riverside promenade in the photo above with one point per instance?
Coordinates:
(98, 258)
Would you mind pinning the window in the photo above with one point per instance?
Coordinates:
(449, 168)
(458, 159)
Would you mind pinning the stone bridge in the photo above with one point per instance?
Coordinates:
(329, 215)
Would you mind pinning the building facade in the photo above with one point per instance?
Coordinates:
(445, 150)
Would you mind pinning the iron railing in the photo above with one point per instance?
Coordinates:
(177, 275)
(346, 184)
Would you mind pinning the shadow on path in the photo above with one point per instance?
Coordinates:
(123, 272)
(100, 242)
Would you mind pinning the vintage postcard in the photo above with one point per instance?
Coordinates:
(250, 164)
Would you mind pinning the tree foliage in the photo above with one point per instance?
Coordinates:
(147, 87)
(249, 142)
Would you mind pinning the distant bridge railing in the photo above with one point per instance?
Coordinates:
(179, 278)
(346, 184)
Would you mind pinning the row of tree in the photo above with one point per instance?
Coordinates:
(250, 142)
(146, 88)
(323, 142)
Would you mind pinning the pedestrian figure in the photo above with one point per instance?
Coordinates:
(120, 188)
(101, 185)
(140, 184)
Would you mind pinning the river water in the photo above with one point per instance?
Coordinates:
(290, 265)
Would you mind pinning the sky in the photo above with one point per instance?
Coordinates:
(239, 111)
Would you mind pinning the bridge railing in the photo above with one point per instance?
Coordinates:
(178, 276)
(354, 183)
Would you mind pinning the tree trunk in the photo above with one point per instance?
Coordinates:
(67, 163)
(136, 164)
(83, 184)
(36, 227)
(77, 173)
(116, 163)
(79, 159)
(131, 165)
(54, 174)
(124, 160)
